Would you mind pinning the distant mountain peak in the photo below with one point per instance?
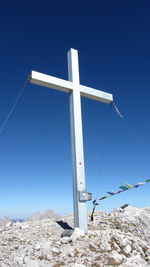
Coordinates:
(4, 220)
(48, 214)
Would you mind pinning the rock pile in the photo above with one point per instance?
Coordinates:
(120, 238)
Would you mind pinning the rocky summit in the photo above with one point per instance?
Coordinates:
(120, 238)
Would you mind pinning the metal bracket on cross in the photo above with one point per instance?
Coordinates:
(85, 196)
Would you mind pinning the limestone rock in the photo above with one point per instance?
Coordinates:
(127, 249)
(115, 259)
(118, 238)
(65, 240)
(77, 234)
(9, 224)
(67, 232)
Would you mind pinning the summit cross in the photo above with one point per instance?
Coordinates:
(75, 90)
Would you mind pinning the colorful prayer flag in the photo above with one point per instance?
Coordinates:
(137, 185)
(124, 188)
(111, 193)
(141, 183)
(104, 197)
(129, 185)
(120, 191)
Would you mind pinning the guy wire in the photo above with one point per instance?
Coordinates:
(13, 106)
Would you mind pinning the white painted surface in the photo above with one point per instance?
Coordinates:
(80, 212)
(76, 91)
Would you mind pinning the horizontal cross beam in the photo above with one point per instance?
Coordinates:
(67, 86)
(50, 82)
(95, 94)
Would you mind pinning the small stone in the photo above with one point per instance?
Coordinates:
(115, 247)
(141, 251)
(93, 247)
(147, 258)
(77, 234)
(121, 241)
(104, 246)
(37, 247)
(147, 252)
(134, 261)
(58, 243)
(56, 251)
(59, 264)
(127, 249)
(71, 252)
(78, 265)
(67, 232)
(126, 242)
(23, 226)
(115, 258)
(9, 224)
(65, 240)
(19, 260)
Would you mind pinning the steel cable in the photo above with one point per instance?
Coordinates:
(13, 106)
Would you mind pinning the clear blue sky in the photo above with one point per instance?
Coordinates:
(113, 40)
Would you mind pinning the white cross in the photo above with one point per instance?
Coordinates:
(76, 90)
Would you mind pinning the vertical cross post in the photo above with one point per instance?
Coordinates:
(80, 211)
